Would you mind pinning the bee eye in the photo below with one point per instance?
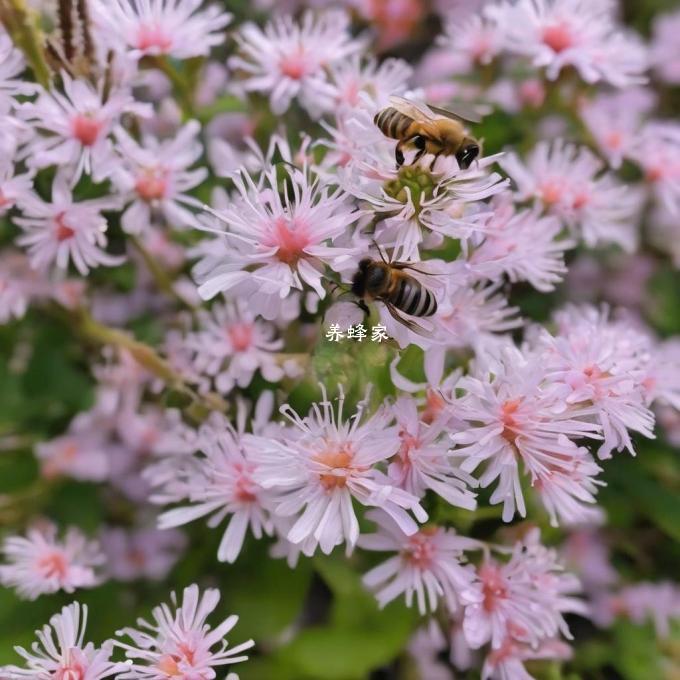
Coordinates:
(419, 142)
(467, 155)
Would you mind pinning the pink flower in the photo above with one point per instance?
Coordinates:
(555, 34)
(315, 475)
(567, 181)
(181, 644)
(62, 653)
(177, 28)
(12, 65)
(664, 50)
(63, 231)
(599, 365)
(423, 462)
(78, 122)
(586, 553)
(289, 60)
(220, 482)
(276, 244)
(141, 553)
(507, 662)
(470, 42)
(428, 565)
(13, 188)
(513, 419)
(522, 245)
(80, 454)
(614, 119)
(156, 176)
(40, 563)
(521, 601)
(232, 344)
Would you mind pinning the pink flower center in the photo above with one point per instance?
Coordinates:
(53, 565)
(5, 201)
(170, 663)
(295, 65)
(291, 239)
(420, 551)
(558, 37)
(152, 36)
(63, 231)
(151, 184)
(74, 668)
(613, 140)
(339, 458)
(508, 411)
(434, 405)
(550, 192)
(86, 129)
(240, 335)
(494, 588)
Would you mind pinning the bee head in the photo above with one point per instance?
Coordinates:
(359, 279)
(468, 152)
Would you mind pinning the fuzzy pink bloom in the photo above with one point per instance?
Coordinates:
(63, 231)
(555, 34)
(507, 662)
(232, 344)
(179, 644)
(11, 66)
(470, 42)
(423, 462)
(289, 60)
(80, 454)
(219, 483)
(615, 118)
(141, 553)
(156, 176)
(513, 421)
(275, 244)
(61, 652)
(77, 122)
(428, 565)
(567, 181)
(177, 28)
(665, 51)
(42, 563)
(600, 365)
(586, 553)
(13, 188)
(522, 600)
(315, 476)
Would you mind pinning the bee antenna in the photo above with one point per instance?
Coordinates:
(380, 252)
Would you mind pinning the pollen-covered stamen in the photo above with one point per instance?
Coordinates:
(53, 565)
(86, 129)
(551, 192)
(73, 668)
(494, 587)
(337, 459)
(63, 230)
(153, 36)
(558, 37)
(152, 184)
(508, 418)
(295, 65)
(240, 336)
(420, 550)
(291, 237)
(434, 405)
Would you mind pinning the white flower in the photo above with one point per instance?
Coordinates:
(181, 644)
(428, 564)
(61, 652)
(11, 65)
(584, 34)
(315, 476)
(13, 188)
(19, 285)
(275, 244)
(40, 563)
(156, 176)
(77, 122)
(219, 483)
(288, 60)
(64, 231)
(177, 28)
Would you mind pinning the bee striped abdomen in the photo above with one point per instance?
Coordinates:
(392, 123)
(413, 298)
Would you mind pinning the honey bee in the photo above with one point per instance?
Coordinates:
(391, 284)
(430, 130)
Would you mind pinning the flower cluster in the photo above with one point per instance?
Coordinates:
(195, 207)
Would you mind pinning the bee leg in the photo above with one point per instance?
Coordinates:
(434, 160)
(399, 155)
(363, 307)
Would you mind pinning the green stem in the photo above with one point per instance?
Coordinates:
(22, 24)
(180, 85)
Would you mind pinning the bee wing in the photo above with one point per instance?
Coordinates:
(461, 111)
(411, 325)
(415, 110)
